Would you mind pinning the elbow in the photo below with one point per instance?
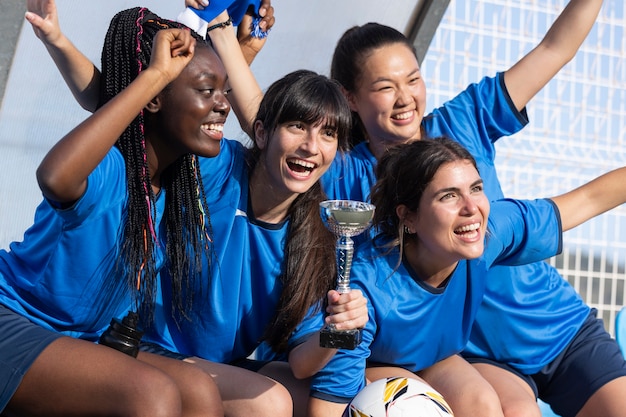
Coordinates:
(54, 187)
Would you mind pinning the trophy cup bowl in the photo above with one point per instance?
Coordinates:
(345, 219)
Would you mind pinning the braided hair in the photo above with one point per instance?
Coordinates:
(306, 274)
(126, 52)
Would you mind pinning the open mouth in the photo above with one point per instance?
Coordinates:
(300, 166)
(403, 116)
(468, 231)
(213, 127)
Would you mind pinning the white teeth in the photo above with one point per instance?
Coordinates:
(468, 228)
(403, 116)
(304, 164)
(213, 126)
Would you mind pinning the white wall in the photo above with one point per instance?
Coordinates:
(38, 109)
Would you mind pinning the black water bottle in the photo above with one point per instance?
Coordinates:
(123, 336)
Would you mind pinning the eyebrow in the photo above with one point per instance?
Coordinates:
(457, 189)
(383, 79)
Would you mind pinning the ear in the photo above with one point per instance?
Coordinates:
(406, 220)
(154, 105)
(260, 137)
(351, 100)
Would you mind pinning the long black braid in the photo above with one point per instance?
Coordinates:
(126, 52)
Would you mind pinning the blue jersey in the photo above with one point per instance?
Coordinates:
(59, 275)
(414, 325)
(530, 313)
(239, 299)
(236, 9)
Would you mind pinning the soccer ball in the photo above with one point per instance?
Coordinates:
(398, 397)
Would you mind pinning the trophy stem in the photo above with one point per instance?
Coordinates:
(344, 218)
(344, 252)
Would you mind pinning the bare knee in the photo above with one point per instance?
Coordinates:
(274, 401)
(200, 395)
(153, 394)
(473, 402)
(521, 409)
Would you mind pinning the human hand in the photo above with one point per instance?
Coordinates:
(172, 50)
(42, 15)
(252, 45)
(346, 311)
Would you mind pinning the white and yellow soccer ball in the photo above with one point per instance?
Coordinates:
(398, 397)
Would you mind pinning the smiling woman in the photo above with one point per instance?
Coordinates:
(438, 237)
(97, 248)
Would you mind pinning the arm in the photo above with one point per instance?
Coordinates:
(246, 94)
(346, 312)
(529, 75)
(592, 199)
(62, 175)
(79, 73)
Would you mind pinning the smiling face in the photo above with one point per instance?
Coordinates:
(190, 113)
(390, 97)
(294, 156)
(451, 221)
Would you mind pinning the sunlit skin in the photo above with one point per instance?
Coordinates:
(190, 113)
(294, 158)
(390, 97)
(450, 224)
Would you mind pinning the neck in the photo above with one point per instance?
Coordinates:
(431, 271)
(267, 203)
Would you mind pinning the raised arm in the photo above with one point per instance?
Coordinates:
(62, 175)
(79, 73)
(246, 94)
(592, 199)
(529, 75)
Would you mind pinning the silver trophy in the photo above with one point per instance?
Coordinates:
(345, 219)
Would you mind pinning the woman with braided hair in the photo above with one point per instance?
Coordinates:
(123, 199)
(270, 268)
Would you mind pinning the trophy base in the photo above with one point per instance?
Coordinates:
(340, 339)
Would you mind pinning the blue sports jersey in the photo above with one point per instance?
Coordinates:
(236, 9)
(414, 325)
(240, 298)
(530, 313)
(58, 276)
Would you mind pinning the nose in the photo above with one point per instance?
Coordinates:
(404, 96)
(222, 105)
(469, 206)
(311, 143)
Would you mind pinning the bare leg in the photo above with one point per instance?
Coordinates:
(321, 408)
(516, 396)
(246, 393)
(608, 401)
(200, 395)
(73, 377)
(298, 388)
(463, 388)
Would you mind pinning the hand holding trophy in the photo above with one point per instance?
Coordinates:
(345, 219)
